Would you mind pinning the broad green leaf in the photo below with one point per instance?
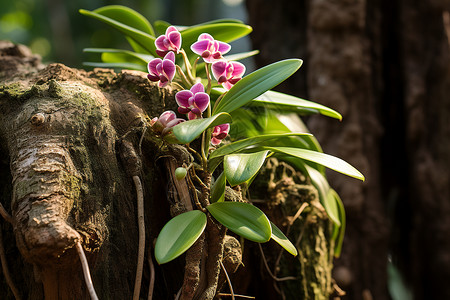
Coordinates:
(160, 27)
(216, 156)
(256, 83)
(178, 235)
(188, 131)
(240, 56)
(218, 189)
(145, 40)
(326, 160)
(275, 98)
(128, 66)
(243, 219)
(325, 193)
(126, 16)
(121, 55)
(341, 232)
(279, 237)
(241, 167)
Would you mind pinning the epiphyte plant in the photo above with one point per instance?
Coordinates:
(212, 93)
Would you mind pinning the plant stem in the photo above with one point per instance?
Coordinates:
(183, 77)
(86, 273)
(228, 280)
(208, 76)
(141, 227)
(152, 274)
(217, 101)
(5, 214)
(188, 66)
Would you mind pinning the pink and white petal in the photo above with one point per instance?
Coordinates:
(168, 69)
(174, 122)
(201, 101)
(163, 82)
(170, 56)
(152, 77)
(161, 52)
(198, 88)
(224, 47)
(218, 68)
(226, 85)
(205, 36)
(223, 127)
(239, 69)
(182, 97)
(183, 110)
(166, 117)
(170, 29)
(192, 116)
(175, 38)
(200, 46)
(152, 65)
(215, 141)
(159, 43)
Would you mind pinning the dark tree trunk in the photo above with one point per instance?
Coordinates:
(72, 143)
(385, 66)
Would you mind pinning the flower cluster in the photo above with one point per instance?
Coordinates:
(192, 102)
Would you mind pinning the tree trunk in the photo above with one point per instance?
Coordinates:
(385, 66)
(72, 144)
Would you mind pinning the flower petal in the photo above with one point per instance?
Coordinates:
(192, 116)
(223, 47)
(215, 141)
(201, 101)
(183, 110)
(170, 56)
(170, 29)
(152, 65)
(182, 98)
(159, 43)
(224, 127)
(226, 85)
(166, 117)
(218, 68)
(152, 77)
(200, 46)
(198, 88)
(239, 69)
(175, 39)
(205, 36)
(168, 68)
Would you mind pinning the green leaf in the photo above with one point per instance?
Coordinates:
(128, 66)
(276, 98)
(279, 237)
(216, 155)
(243, 219)
(126, 16)
(341, 232)
(178, 235)
(239, 168)
(325, 193)
(121, 55)
(326, 160)
(161, 26)
(188, 131)
(256, 83)
(240, 56)
(218, 189)
(144, 40)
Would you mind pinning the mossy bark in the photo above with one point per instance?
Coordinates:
(66, 137)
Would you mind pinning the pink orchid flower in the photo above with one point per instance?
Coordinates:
(210, 49)
(171, 41)
(227, 73)
(219, 133)
(162, 70)
(163, 125)
(193, 102)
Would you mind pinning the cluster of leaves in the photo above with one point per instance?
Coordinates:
(263, 125)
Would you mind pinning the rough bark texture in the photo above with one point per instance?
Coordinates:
(385, 66)
(72, 140)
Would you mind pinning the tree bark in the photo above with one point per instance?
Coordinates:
(72, 145)
(385, 66)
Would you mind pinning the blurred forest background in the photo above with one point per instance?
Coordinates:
(385, 65)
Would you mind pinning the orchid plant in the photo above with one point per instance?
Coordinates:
(217, 103)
